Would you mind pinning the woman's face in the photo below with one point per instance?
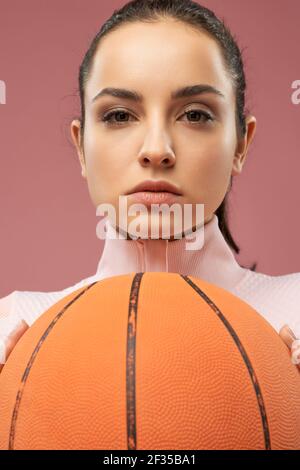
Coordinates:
(153, 138)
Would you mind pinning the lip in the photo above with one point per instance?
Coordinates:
(155, 186)
(154, 197)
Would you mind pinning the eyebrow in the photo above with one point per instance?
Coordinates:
(184, 92)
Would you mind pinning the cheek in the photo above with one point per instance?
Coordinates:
(212, 166)
(209, 169)
(103, 164)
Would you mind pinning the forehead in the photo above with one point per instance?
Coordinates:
(155, 58)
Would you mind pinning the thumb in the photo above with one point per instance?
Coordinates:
(287, 335)
(290, 339)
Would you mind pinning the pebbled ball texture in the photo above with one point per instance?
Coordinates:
(150, 360)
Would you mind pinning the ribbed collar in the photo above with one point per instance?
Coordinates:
(214, 262)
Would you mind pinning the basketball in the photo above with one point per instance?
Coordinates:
(150, 360)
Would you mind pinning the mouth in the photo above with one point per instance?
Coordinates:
(154, 197)
(156, 186)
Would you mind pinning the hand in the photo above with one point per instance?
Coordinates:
(13, 338)
(293, 344)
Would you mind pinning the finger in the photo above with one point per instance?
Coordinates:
(14, 337)
(287, 335)
(296, 357)
(295, 345)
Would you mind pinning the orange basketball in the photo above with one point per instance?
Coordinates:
(150, 361)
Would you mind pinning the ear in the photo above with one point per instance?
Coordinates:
(243, 145)
(76, 137)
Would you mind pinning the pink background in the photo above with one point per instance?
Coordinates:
(48, 223)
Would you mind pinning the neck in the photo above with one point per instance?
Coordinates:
(203, 254)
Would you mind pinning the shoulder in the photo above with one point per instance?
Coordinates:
(6, 303)
(277, 285)
(275, 297)
(8, 319)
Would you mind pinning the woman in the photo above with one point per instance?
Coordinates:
(162, 92)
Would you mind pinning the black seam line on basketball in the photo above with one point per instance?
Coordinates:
(30, 362)
(245, 357)
(131, 361)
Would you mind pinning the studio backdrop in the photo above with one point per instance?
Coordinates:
(48, 225)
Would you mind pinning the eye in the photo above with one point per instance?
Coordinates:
(198, 112)
(107, 118)
(121, 113)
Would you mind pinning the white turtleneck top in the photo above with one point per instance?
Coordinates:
(276, 298)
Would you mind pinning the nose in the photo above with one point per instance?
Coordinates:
(158, 154)
(157, 159)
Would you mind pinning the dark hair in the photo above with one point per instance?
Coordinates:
(200, 18)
